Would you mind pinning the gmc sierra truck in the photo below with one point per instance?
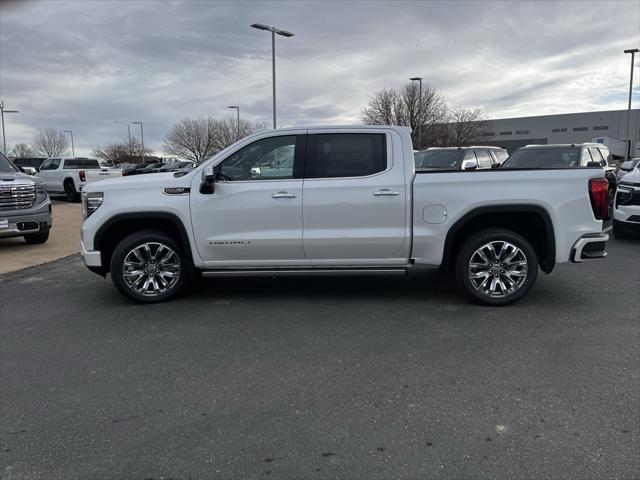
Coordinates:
(340, 201)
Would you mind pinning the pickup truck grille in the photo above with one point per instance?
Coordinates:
(17, 196)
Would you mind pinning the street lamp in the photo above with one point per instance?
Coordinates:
(273, 31)
(141, 138)
(237, 107)
(419, 79)
(633, 52)
(2, 112)
(128, 132)
(73, 150)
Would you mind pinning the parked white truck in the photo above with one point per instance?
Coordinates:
(340, 200)
(70, 175)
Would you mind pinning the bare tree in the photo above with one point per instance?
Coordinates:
(406, 107)
(122, 152)
(21, 150)
(464, 127)
(51, 142)
(198, 139)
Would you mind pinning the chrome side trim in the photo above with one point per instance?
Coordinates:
(303, 272)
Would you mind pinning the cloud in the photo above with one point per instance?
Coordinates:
(82, 65)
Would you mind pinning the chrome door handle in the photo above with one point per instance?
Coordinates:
(385, 192)
(283, 195)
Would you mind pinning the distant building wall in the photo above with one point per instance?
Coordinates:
(513, 133)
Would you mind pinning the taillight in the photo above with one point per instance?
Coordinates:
(598, 192)
(83, 177)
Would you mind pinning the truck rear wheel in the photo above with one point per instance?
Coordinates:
(70, 191)
(149, 266)
(496, 267)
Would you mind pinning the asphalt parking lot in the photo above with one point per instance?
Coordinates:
(356, 378)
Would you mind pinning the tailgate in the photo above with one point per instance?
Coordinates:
(93, 175)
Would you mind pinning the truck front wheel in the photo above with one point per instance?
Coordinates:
(149, 266)
(496, 267)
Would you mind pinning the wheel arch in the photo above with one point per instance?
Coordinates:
(530, 221)
(119, 226)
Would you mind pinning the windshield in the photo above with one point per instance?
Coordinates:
(544, 158)
(449, 159)
(6, 166)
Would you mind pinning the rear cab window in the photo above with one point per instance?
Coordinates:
(333, 155)
(86, 163)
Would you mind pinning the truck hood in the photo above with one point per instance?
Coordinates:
(134, 182)
(20, 178)
(632, 177)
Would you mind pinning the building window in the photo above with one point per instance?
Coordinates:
(488, 134)
(559, 130)
(601, 127)
(506, 133)
(522, 132)
(580, 129)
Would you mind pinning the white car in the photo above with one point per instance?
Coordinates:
(346, 201)
(626, 211)
(70, 175)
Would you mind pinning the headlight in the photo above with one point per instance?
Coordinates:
(41, 192)
(90, 202)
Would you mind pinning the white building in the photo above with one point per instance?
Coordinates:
(608, 127)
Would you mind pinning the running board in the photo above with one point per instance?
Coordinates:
(303, 272)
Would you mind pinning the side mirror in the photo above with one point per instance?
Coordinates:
(469, 165)
(208, 180)
(594, 164)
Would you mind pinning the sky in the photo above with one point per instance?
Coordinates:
(82, 65)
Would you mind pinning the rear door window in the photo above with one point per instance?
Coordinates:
(346, 155)
(484, 160)
(596, 155)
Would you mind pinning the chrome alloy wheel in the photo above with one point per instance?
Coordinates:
(151, 269)
(498, 269)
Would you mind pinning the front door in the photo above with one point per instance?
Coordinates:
(355, 199)
(253, 218)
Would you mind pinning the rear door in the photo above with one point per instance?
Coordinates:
(355, 198)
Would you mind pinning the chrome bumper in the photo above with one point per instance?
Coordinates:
(589, 247)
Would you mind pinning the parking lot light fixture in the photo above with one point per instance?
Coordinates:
(73, 150)
(633, 52)
(128, 132)
(273, 31)
(2, 112)
(419, 79)
(237, 107)
(141, 138)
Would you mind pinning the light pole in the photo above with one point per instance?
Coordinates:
(419, 79)
(627, 143)
(237, 107)
(273, 31)
(73, 150)
(141, 138)
(2, 112)
(128, 132)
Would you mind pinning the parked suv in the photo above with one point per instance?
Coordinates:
(459, 158)
(626, 215)
(25, 208)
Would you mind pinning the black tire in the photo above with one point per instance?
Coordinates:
(70, 191)
(140, 238)
(36, 238)
(524, 279)
(619, 231)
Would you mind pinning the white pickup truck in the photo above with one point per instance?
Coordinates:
(340, 201)
(70, 175)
